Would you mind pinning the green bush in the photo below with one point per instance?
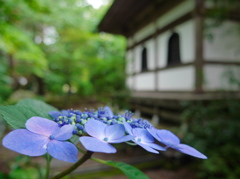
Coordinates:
(213, 128)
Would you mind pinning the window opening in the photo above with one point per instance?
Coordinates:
(144, 59)
(174, 50)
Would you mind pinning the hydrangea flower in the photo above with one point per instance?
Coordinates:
(143, 138)
(103, 134)
(170, 140)
(100, 123)
(41, 136)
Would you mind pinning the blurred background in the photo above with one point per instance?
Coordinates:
(175, 63)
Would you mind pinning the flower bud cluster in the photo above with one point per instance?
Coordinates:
(73, 117)
(140, 123)
(79, 119)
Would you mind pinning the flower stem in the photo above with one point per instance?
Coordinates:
(84, 158)
(48, 158)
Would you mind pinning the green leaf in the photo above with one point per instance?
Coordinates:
(17, 115)
(129, 170)
(41, 108)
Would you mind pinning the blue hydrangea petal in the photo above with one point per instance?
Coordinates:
(115, 131)
(95, 145)
(41, 126)
(63, 133)
(128, 128)
(54, 114)
(190, 151)
(122, 139)
(156, 146)
(26, 142)
(153, 132)
(143, 134)
(63, 150)
(108, 111)
(166, 137)
(95, 128)
(147, 147)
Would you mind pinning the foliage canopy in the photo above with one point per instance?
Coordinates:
(55, 46)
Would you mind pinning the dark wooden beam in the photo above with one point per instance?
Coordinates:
(156, 9)
(178, 21)
(225, 62)
(183, 95)
(165, 68)
(198, 18)
(204, 62)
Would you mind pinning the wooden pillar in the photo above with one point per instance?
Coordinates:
(156, 56)
(198, 18)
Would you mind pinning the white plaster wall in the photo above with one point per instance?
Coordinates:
(130, 82)
(137, 56)
(129, 62)
(217, 77)
(187, 43)
(144, 32)
(145, 81)
(150, 54)
(177, 79)
(175, 13)
(162, 48)
(225, 45)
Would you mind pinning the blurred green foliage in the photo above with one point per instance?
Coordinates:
(22, 168)
(5, 80)
(53, 47)
(221, 10)
(213, 128)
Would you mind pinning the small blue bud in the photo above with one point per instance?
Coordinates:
(55, 119)
(78, 120)
(79, 126)
(77, 112)
(75, 131)
(83, 116)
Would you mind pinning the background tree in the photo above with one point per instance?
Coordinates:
(55, 46)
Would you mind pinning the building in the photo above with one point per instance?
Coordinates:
(170, 57)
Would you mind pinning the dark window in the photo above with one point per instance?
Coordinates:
(173, 50)
(144, 59)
